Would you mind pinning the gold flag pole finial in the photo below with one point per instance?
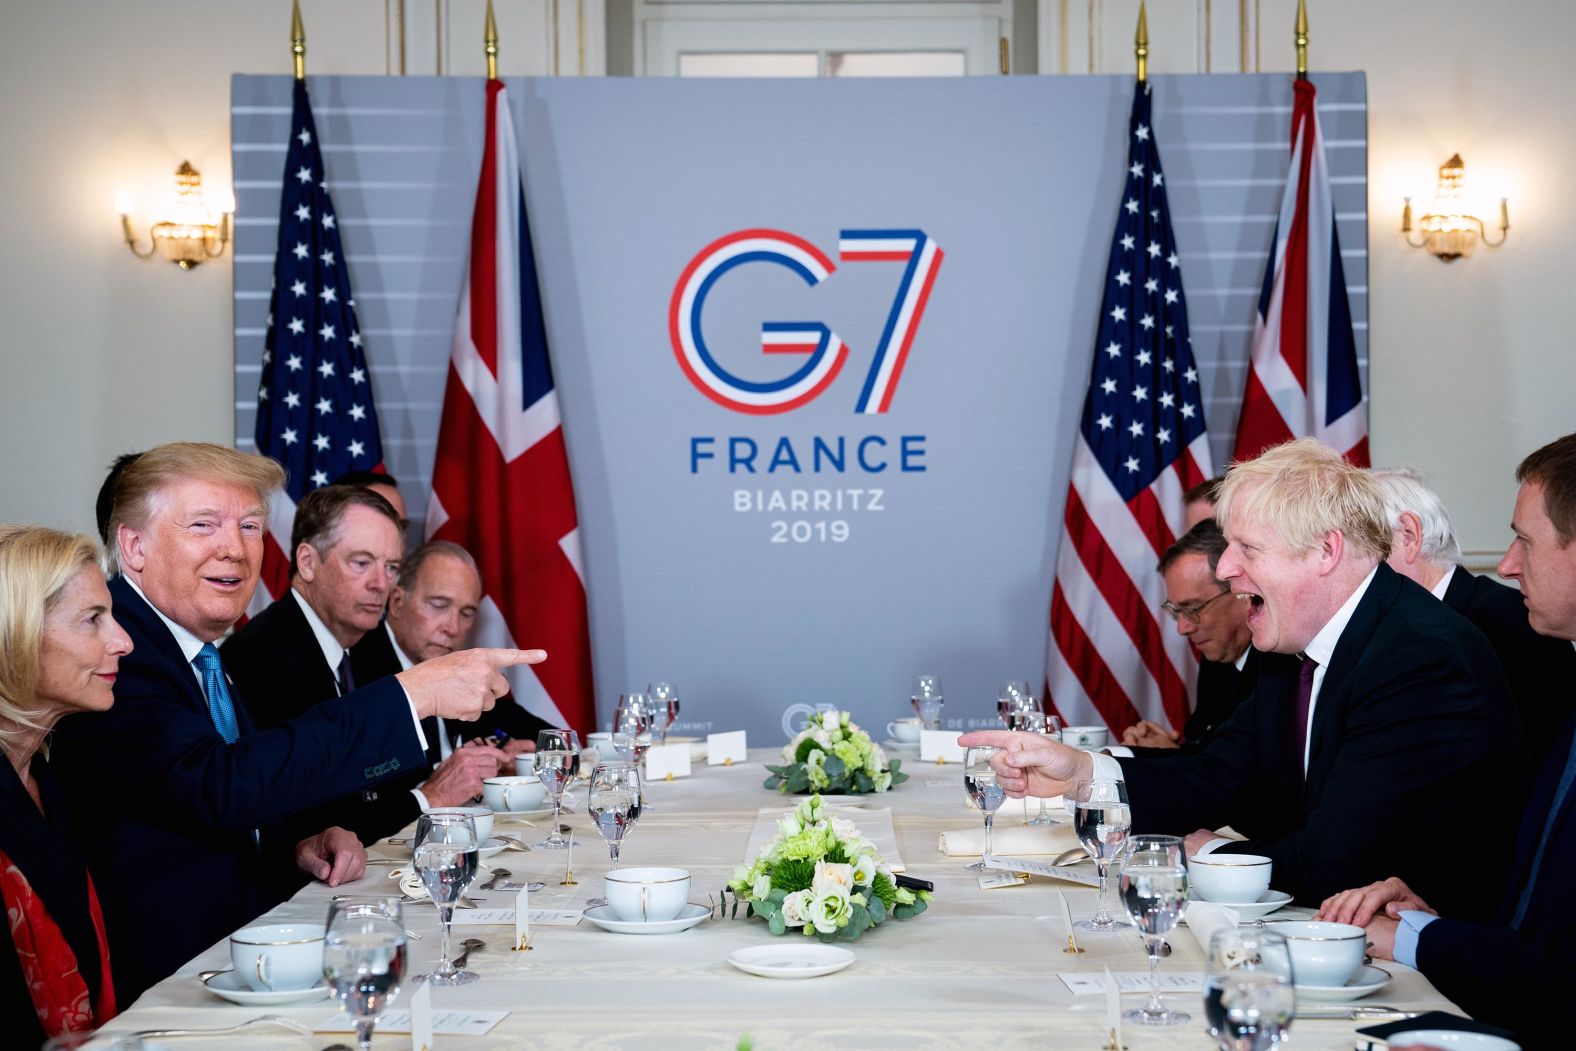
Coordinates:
(297, 40)
(1141, 44)
(1302, 40)
(490, 40)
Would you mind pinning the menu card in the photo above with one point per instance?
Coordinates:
(940, 746)
(1084, 983)
(725, 749)
(444, 1022)
(667, 761)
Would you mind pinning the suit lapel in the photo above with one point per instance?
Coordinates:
(133, 611)
(1458, 593)
(1349, 650)
(325, 683)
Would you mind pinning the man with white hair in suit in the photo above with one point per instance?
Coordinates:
(1540, 668)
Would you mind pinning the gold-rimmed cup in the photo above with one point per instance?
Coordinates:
(646, 894)
(274, 957)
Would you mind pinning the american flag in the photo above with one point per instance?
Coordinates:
(1141, 445)
(1304, 379)
(500, 484)
(314, 404)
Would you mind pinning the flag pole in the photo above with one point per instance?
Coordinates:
(1141, 44)
(297, 40)
(490, 43)
(1300, 34)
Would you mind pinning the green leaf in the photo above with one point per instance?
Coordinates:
(778, 924)
(877, 910)
(777, 895)
(902, 912)
(806, 746)
(919, 906)
(893, 767)
(835, 768)
(772, 781)
(898, 779)
(798, 780)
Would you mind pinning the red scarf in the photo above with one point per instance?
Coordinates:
(60, 995)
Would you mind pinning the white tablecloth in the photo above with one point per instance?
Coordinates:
(977, 970)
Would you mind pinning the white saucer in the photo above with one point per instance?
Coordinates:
(228, 984)
(1256, 910)
(905, 748)
(603, 916)
(792, 957)
(490, 847)
(1455, 1040)
(1368, 980)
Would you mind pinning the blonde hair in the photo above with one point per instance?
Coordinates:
(140, 482)
(36, 563)
(1303, 490)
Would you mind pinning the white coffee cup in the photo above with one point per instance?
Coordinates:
(647, 894)
(1323, 954)
(525, 764)
(513, 794)
(274, 957)
(1086, 736)
(603, 743)
(905, 731)
(1231, 879)
(482, 816)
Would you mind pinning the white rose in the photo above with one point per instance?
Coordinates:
(864, 870)
(830, 911)
(823, 739)
(832, 879)
(844, 829)
(796, 908)
(789, 826)
(883, 781)
(763, 887)
(875, 761)
(741, 874)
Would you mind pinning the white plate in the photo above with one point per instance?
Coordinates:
(791, 957)
(1256, 910)
(1368, 980)
(604, 917)
(228, 984)
(1454, 1040)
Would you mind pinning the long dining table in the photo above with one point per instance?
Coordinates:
(980, 968)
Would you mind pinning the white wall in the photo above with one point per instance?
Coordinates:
(1472, 363)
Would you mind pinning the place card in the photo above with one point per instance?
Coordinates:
(507, 917)
(940, 746)
(1085, 983)
(725, 749)
(444, 1022)
(667, 761)
(421, 1018)
(997, 880)
(1042, 868)
(522, 917)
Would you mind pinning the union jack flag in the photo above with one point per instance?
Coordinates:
(314, 403)
(1304, 379)
(1141, 445)
(500, 483)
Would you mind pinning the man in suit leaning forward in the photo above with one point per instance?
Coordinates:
(176, 792)
(346, 546)
(1381, 723)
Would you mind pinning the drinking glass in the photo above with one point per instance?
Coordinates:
(613, 801)
(1101, 820)
(1051, 727)
(1012, 697)
(446, 857)
(364, 958)
(1154, 891)
(927, 700)
(665, 706)
(979, 780)
(557, 762)
(1248, 989)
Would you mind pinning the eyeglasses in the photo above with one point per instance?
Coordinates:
(1190, 613)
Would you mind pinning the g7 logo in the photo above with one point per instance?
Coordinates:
(825, 352)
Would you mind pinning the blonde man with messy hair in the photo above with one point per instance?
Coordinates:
(1375, 703)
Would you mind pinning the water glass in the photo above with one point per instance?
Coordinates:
(557, 763)
(613, 801)
(1051, 727)
(979, 780)
(1101, 821)
(927, 700)
(1154, 891)
(1249, 993)
(364, 958)
(446, 856)
(664, 706)
(1013, 697)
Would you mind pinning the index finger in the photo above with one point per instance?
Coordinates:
(503, 657)
(998, 738)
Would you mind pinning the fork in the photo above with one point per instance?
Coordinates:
(279, 1020)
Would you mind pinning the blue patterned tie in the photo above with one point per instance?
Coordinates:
(220, 707)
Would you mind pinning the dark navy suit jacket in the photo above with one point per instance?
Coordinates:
(1221, 689)
(1414, 738)
(1518, 978)
(165, 809)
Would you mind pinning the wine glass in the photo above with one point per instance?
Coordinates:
(446, 856)
(1249, 993)
(1051, 727)
(1012, 697)
(927, 700)
(979, 780)
(664, 705)
(1101, 820)
(1154, 891)
(613, 801)
(557, 762)
(364, 958)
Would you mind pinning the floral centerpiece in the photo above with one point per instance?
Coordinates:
(819, 875)
(832, 754)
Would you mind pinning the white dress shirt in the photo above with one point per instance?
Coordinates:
(1443, 584)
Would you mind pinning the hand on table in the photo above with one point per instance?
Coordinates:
(1032, 764)
(333, 856)
(462, 685)
(1145, 734)
(458, 779)
(1391, 896)
(1197, 841)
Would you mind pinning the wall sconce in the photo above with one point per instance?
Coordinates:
(1446, 230)
(190, 234)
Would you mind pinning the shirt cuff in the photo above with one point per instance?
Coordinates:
(1407, 931)
(1121, 751)
(421, 800)
(1213, 845)
(1106, 767)
(415, 720)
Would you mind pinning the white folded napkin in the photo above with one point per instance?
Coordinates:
(1204, 918)
(1009, 840)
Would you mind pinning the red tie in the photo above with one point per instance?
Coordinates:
(1304, 701)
